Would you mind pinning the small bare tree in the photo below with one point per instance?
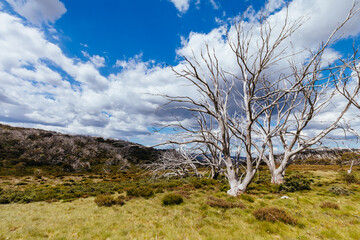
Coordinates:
(175, 163)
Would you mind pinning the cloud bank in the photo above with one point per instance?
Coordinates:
(42, 87)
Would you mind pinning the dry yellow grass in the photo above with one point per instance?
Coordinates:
(194, 219)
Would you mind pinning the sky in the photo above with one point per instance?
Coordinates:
(94, 67)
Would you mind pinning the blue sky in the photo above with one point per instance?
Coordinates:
(91, 67)
(123, 29)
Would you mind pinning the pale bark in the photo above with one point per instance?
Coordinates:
(284, 121)
(277, 110)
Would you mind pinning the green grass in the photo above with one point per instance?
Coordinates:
(142, 218)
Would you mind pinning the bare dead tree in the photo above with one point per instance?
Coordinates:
(287, 124)
(348, 88)
(255, 107)
(290, 104)
(216, 125)
(211, 113)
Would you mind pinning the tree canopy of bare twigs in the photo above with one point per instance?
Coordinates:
(255, 109)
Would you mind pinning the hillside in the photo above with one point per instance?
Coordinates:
(24, 147)
(320, 156)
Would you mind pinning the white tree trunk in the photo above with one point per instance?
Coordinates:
(277, 178)
(351, 166)
(277, 175)
(238, 187)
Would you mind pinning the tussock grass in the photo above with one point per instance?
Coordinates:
(273, 214)
(330, 205)
(108, 200)
(172, 199)
(220, 203)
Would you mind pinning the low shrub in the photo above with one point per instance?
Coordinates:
(349, 178)
(59, 192)
(296, 183)
(224, 188)
(200, 183)
(208, 181)
(197, 185)
(38, 173)
(108, 200)
(172, 199)
(272, 214)
(4, 199)
(185, 194)
(340, 191)
(21, 183)
(220, 203)
(120, 200)
(51, 200)
(159, 190)
(144, 192)
(329, 205)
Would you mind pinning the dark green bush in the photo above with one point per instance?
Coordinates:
(5, 199)
(159, 190)
(202, 182)
(144, 192)
(273, 214)
(224, 188)
(172, 199)
(59, 192)
(296, 183)
(208, 181)
(197, 185)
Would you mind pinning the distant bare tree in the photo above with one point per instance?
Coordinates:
(174, 163)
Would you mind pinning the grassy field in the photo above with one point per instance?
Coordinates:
(195, 218)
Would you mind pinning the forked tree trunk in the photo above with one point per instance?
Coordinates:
(277, 173)
(277, 177)
(237, 186)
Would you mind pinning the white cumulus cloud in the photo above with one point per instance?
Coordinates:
(181, 5)
(42, 87)
(39, 11)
